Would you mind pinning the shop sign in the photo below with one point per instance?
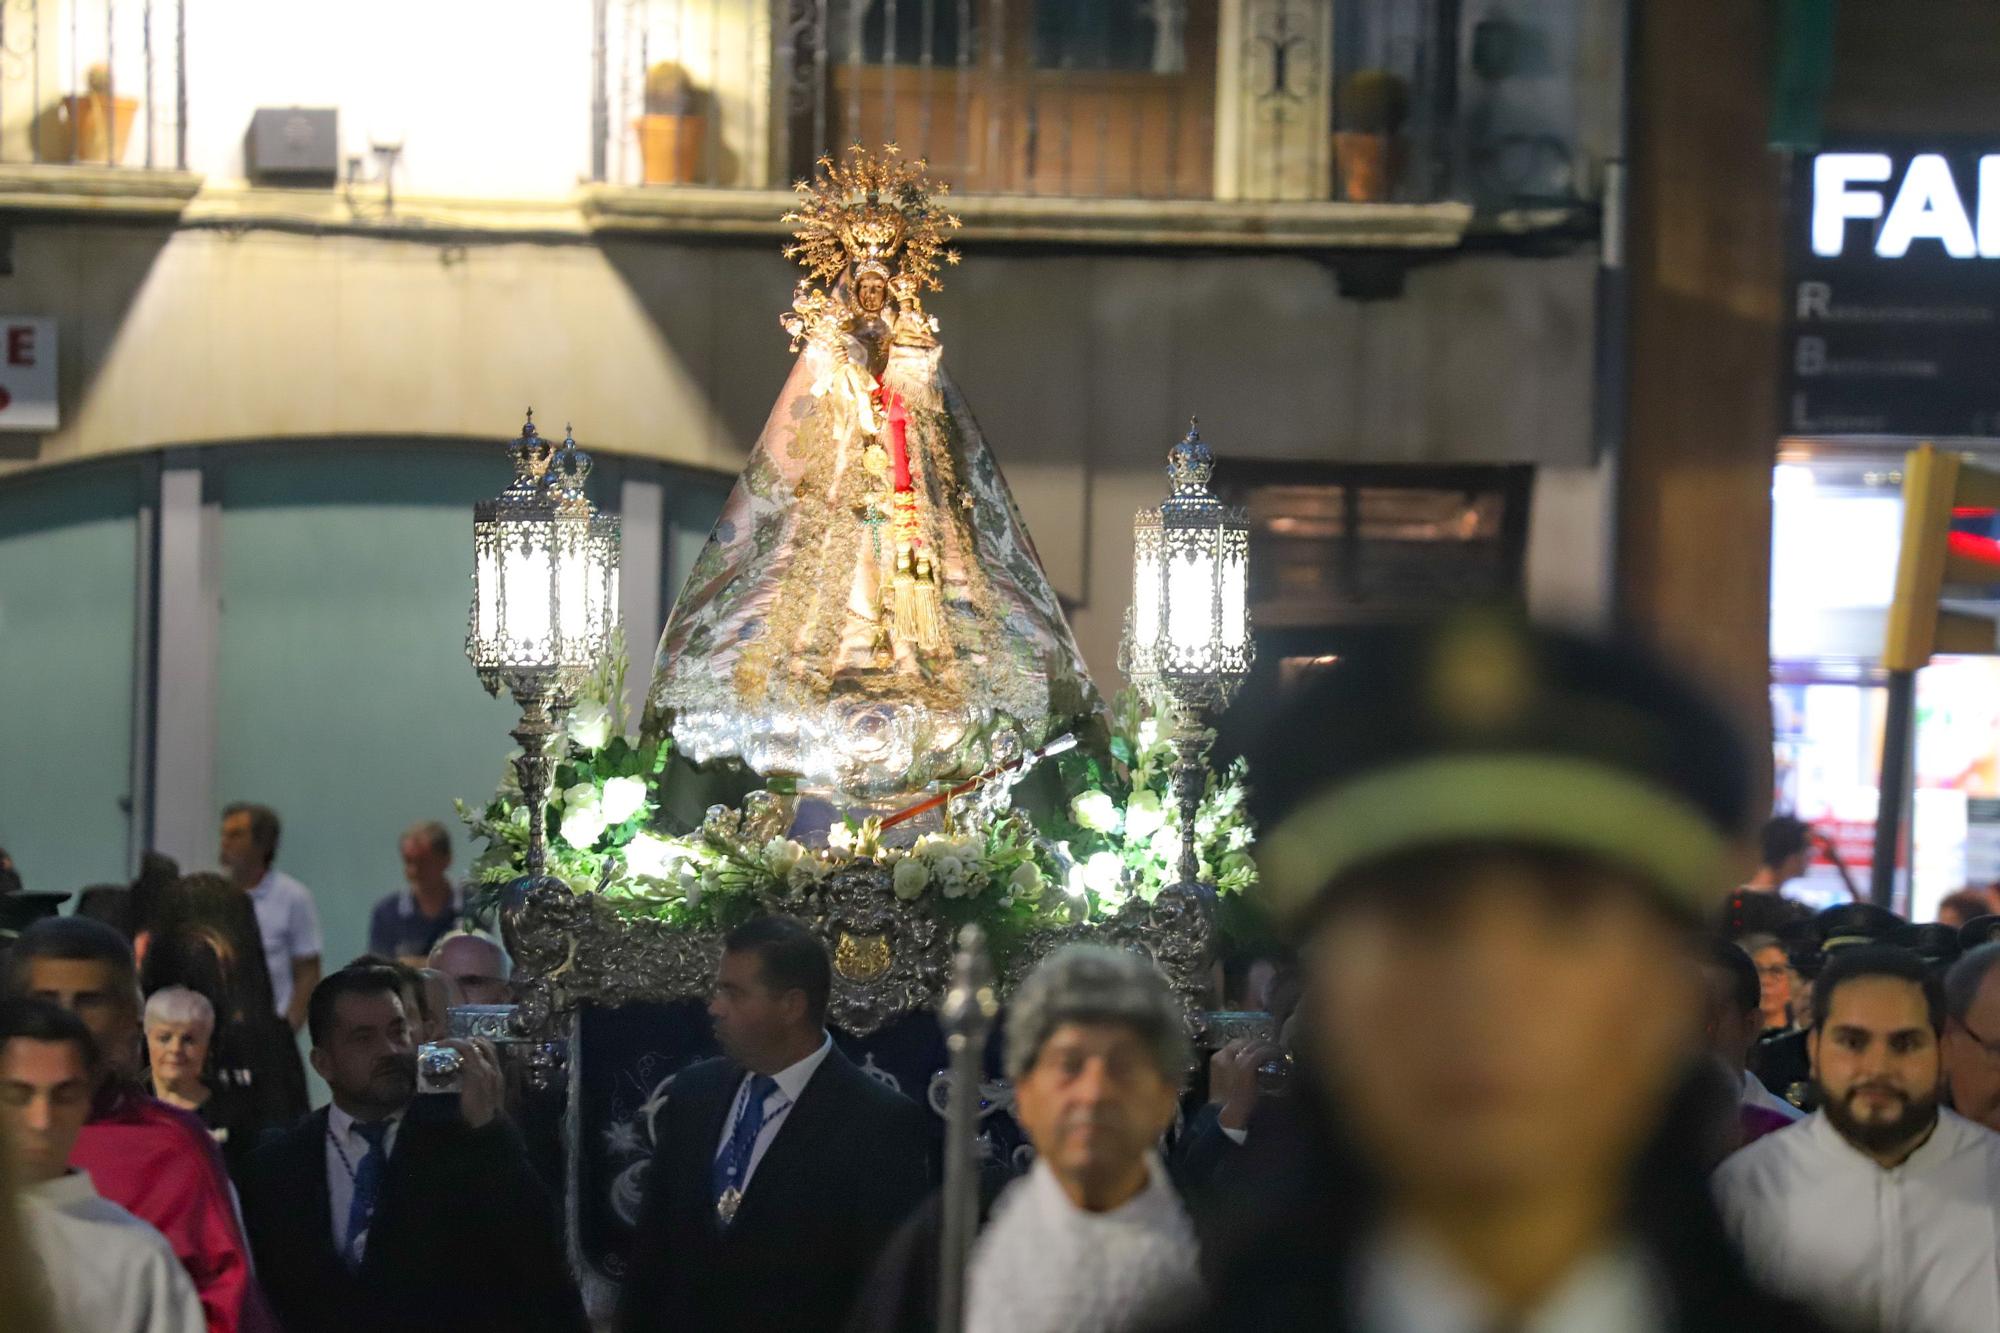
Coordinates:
(27, 374)
(1893, 305)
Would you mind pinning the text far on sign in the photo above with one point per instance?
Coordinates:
(1924, 203)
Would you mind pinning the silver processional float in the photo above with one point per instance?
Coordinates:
(868, 666)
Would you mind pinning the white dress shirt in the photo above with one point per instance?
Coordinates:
(289, 923)
(778, 1104)
(1756, 1094)
(107, 1271)
(1914, 1247)
(341, 1137)
(1409, 1285)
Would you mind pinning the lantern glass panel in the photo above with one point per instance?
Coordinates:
(525, 588)
(573, 596)
(486, 597)
(1235, 574)
(1146, 600)
(1191, 605)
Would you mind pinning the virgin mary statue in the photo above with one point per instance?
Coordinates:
(869, 616)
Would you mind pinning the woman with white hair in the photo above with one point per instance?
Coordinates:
(180, 1037)
(180, 1025)
(1094, 1239)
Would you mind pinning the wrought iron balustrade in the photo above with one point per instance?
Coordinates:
(1109, 99)
(94, 83)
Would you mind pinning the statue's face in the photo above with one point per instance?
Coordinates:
(871, 293)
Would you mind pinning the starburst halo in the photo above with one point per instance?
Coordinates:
(863, 208)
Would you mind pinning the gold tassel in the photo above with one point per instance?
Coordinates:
(905, 612)
(929, 610)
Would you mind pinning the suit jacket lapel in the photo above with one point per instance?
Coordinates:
(799, 1134)
(405, 1161)
(318, 1199)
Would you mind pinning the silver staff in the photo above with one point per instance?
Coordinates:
(967, 1015)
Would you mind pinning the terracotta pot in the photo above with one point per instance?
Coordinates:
(93, 116)
(671, 147)
(1369, 165)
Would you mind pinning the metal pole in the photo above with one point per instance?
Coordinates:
(600, 98)
(147, 15)
(180, 86)
(1894, 784)
(536, 768)
(967, 1015)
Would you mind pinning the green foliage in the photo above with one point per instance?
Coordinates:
(1115, 840)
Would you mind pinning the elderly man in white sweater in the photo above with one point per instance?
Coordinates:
(1094, 1239)
(105, 1270)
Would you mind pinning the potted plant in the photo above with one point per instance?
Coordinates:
(675, 126)
(100, 125)
(1368, 147)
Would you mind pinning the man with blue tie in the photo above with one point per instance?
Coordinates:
(389, 1211)
(782, 1169)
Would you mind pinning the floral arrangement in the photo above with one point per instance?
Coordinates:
(1118, 839)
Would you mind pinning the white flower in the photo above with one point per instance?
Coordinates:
(1073, 881)
(1149, 733)
(949, 872)
(582, 826)
(910, 878)
(1239, 837)
(1144, 816)
(1103, 872)
(1095, 810)
(583, 794)
(1026, 880)
(1167, 844)
(589, 725)
(654, 858)
(806, 874)
(781, 855)
(623, 798)
(840, 838)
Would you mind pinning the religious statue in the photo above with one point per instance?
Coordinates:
(869, 616)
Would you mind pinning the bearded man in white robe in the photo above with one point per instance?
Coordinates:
(1881, 1210)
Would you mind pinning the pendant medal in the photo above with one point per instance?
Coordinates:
(726, 1206)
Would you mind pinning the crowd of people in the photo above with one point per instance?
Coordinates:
(1529, 1065)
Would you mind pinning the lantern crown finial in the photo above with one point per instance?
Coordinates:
(530, 453)
(572, 465)
(1190, 464)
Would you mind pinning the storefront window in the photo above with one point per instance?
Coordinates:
(1836, 530)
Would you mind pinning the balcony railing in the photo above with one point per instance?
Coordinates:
(94, 83)
(1250, 100)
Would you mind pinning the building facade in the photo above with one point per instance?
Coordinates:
(1364, 241)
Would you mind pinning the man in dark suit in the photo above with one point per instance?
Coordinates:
(388, 1211)
(782, 1169)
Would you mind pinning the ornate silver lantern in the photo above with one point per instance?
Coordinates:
(544, 606)
(1187, 634)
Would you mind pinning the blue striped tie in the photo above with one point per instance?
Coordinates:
(732, 1164)
(367, 1187)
